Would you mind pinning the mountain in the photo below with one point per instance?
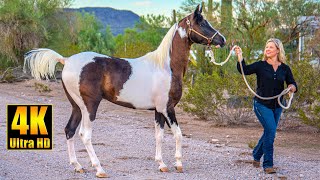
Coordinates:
(118, 20)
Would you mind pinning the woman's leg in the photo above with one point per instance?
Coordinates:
(257, 151)
(277, 115)
(267, 119)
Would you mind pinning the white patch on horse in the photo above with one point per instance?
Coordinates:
(147, 87)
(72, 154)
(159, 138)
(178, 136)
(85, 133)
(182, 32)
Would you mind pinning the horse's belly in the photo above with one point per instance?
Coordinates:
(138, 93)
(138, 97)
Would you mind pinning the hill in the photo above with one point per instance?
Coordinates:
(118, 20)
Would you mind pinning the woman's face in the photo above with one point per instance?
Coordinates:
(271, 50)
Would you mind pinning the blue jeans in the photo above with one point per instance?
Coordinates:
(269, 119)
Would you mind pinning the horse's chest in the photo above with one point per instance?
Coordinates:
(175, 89)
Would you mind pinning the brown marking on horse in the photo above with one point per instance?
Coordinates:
(103, 78)
(179, 63)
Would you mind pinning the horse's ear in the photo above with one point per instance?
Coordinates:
(197, 13)
(198, 10)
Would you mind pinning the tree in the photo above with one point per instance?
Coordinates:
(258, 21)
(24, 25)
(148, 34)
(110, 43)
(289, 12)
(89, 36)
(226, 14)
(188, 6)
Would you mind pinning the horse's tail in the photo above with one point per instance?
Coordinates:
(41, 63)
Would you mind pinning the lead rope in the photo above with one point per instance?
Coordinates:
(214, 60)
(285, 91)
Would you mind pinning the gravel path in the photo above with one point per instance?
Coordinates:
(125, 145)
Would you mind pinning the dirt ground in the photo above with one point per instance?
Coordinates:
(125, 145)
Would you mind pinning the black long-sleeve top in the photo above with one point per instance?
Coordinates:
(269, 82)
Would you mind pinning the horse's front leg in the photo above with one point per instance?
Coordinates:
(159, 131)
(178, 136)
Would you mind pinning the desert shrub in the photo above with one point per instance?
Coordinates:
(220, 97)
(24, 25)
(7, 75)
(252, 144)
(42, 87)
(6, 63)
(307, 100)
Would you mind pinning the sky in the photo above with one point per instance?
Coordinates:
(140, 7)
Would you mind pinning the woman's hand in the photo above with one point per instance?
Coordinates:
(238, 51)
(292, 88)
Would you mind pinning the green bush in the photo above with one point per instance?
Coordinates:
(220, 97)
(6, 63)
(25, 25)
(42, 87)
(307, 100)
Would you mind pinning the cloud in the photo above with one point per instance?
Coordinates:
(143, 3)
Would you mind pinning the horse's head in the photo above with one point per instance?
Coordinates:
(200, 30)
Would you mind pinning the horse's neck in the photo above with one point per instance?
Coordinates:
(179, 55)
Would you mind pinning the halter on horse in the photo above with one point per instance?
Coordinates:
(153, 81)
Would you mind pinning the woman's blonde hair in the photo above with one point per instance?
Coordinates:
(279, 45)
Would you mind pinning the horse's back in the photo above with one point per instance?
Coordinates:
(78, 61)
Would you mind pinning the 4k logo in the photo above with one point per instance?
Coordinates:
(29, 127)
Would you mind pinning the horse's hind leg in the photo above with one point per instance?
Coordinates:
(85, 132)
(159, 131)
(70, 130)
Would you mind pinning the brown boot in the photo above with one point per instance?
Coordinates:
(270, 170)
(256, 164)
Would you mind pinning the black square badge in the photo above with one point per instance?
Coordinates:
(29, 127)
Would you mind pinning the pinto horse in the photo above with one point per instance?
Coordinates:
(153, 82)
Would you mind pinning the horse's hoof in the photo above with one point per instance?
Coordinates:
(102, 175)
(179, 169)
(81, 171)
(164, 169)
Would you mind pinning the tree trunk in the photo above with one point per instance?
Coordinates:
(226, 14)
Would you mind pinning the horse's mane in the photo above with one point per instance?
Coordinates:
(161, 55)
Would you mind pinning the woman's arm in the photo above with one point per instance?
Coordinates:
(290, 81)
(247, 69)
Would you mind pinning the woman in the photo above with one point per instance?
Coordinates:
(271, 74)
